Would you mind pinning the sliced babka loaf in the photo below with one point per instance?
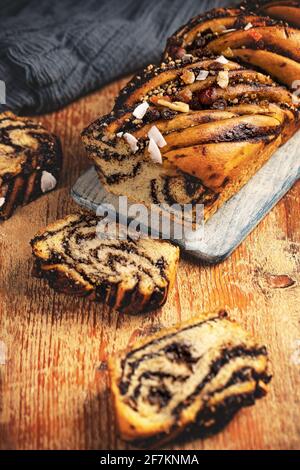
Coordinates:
(286, 10)
(201, 371)
(270, 45)
(30, 161)
(190, 132)
(77, 256)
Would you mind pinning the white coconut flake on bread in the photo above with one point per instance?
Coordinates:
(231, 30)
(157, 136)
(222, 60)
(141, 110)
(248, 26)
(131, 141)
(154, 151)
(203, 74)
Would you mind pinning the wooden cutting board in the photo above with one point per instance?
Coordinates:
(53, 383)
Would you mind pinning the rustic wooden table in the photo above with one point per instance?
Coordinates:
(53, 385)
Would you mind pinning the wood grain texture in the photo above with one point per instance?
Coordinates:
(53, 387)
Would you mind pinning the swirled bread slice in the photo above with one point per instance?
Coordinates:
(129, 275)
(217, 130)
(286, 10)
(201, 371)
(30, 162)
(262, 42)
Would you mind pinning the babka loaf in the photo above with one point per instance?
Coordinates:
(201, 371)
(77, 256)
(30, 162)
(192, 131)
(286, 10)
(270, 45)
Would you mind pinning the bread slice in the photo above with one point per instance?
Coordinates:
(261, 42)
(130, 275)
(201, 371)
(217, 132)
(30, 162)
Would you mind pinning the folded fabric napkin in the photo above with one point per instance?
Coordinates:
(53, 52)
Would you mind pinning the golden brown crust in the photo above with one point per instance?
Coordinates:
(270, 45)
(285, 10)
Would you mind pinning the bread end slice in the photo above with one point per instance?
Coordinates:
(199, 372)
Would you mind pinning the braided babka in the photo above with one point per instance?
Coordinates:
(30, 162)
(201, 371)
(191, 131)
(268, 44)
(77, 256)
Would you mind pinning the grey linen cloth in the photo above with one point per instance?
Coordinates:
(52, 52)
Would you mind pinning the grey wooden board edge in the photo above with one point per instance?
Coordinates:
(235, 219)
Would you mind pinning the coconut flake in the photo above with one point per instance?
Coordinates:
(222, 60)
(48, 182)
(231, 30)
(154, 151)
(248, 26)
(2, 201)
(119, 134)
(223, 79)
(141, 110)
(131, 141)
(156, 135)
(203, 74)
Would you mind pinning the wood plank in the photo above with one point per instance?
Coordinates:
(53, 387)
